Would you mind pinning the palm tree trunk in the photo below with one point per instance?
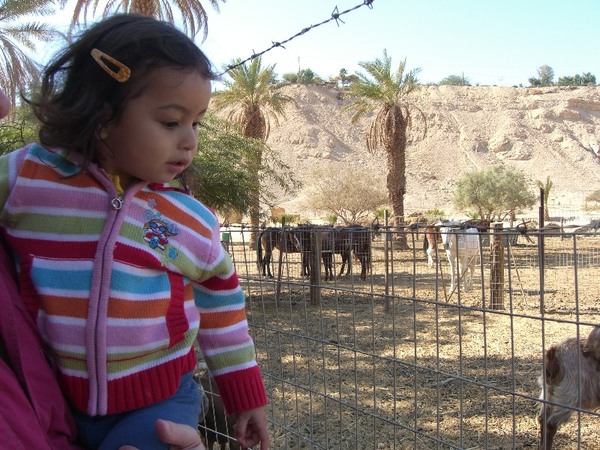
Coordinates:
(396, 179)
(396, 185)
(255, 128)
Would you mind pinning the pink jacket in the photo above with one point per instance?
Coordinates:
(33, 413)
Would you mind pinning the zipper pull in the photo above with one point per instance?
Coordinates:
(117, 202)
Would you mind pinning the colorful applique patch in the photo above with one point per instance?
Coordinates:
(158, 229)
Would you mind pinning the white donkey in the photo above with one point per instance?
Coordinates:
(462, 250)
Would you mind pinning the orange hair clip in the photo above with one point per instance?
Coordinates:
(124, 72)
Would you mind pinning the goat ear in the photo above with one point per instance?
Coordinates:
(553, 373)
(586, 345)
(591, 346)
(586, 349)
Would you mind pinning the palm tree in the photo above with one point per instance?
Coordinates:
(192, 12)
(17, 68)
(386, 92)
(251, 98)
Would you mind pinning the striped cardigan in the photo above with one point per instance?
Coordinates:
(121, 286)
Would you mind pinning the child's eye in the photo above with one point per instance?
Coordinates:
(171, 124)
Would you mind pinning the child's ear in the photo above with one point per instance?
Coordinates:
(104, 123)
(101, 132)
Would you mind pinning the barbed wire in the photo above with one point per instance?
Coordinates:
(335, 15)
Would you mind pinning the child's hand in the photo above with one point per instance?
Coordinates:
(181, 437)
(251, 428)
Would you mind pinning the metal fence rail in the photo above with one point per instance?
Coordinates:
(397, 361)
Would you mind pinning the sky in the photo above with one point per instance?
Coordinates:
(489, 42)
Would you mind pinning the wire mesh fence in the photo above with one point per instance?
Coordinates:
(399, 359)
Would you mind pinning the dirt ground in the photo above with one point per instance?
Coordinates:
(395, 362)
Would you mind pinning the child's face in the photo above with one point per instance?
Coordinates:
(156, 137)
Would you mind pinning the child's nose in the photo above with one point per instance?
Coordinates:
(190, 140)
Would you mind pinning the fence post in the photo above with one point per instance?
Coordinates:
(315, 267)
(541, 250)
(386, 259)
(283, 244)
(496, 267)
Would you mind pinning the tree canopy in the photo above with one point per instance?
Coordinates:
(303, 76)
(585, 79)
(192, 13)
(545, 76)
(352, 196)
(226, 166)
(493, 193)
(20, 30)
(20, 130)
(456, 80)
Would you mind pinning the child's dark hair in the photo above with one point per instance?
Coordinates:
(76, 92)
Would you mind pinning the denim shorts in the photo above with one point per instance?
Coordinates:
(137, 427)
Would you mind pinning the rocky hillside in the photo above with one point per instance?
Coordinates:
(541, 131)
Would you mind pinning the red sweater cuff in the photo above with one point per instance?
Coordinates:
(242, 390)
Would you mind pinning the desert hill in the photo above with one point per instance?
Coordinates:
(552, 131)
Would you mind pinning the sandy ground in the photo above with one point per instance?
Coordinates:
(396, 362)
(429, 370)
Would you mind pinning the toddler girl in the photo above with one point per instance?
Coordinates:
(121, 268)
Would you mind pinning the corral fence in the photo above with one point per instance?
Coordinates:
(397, 361)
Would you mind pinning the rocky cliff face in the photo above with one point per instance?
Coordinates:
(542, 132)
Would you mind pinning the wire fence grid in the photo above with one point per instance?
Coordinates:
(399, 361)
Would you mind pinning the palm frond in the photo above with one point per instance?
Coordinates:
(18, 41)
(192, 13)
(250, 97)
(14, 10)
(26, 34)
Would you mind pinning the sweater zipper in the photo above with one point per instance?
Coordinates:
(101, 363)
(117, 202)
